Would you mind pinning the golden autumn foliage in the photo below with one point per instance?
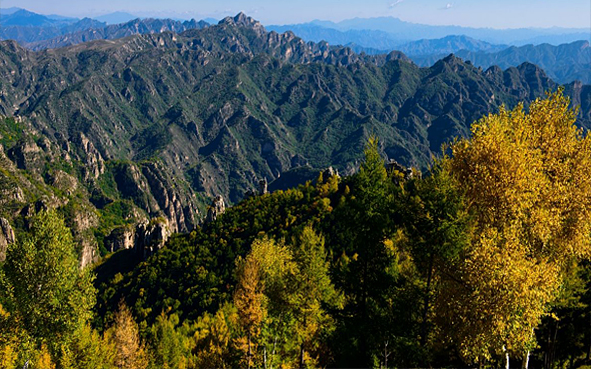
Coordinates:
(8, 341)
(44, 359)
(131, 353)
(213, 338)
(531, 171)
(249, 300)
(527, 176)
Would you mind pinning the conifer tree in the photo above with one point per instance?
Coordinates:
(131, 352)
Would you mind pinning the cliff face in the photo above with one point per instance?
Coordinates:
(6, 237)
(154, 126)
(73, 177)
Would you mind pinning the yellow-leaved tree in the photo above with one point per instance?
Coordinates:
(527, 177)
(130, 351)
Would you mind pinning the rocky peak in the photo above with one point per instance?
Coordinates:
(449, 64)
(242, 20)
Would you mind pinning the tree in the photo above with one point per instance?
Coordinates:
(48, 294)
(89, 350)
(527, 177)
(362, 224)
(9, 340)
(213, 338)
(249, 300)
(131, 352)
(438, 228)
(314, 292)
(170, 347)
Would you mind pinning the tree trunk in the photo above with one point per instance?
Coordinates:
(249, 352)
(506, 357)
(302, 356)
(426, 302)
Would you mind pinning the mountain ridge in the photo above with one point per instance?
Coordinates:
(158, 124)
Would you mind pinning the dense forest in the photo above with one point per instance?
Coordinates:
(481, 261)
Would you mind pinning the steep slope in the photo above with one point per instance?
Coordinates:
(214, 110)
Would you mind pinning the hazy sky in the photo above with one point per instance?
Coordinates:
(473, 13)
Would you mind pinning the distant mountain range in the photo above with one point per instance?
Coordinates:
(563, 63)
(116, 18)
(407, 31)
(26, 27)
(115, 31)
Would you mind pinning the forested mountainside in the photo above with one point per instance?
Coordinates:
(157, 125)
(482, 261)
(236, 88)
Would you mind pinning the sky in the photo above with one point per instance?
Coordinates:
(469, 13)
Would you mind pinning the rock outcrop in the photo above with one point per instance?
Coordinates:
(145, 238)
(6, 237)
(393, 165)
(94, 164)
(151, 237)
(120, 238)
(263, 186)
(329, 172)
(217, 208)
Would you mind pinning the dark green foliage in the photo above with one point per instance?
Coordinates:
(195, 272)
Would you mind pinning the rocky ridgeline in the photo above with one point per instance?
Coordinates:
(67, 174)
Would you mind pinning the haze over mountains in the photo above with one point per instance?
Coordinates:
(422, 43)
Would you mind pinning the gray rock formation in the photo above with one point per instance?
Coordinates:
(263, 186)
(88, 254)
(217, 208)
(94, 163)
(121, 238)
(145, 238)
(27, 155)
(393, 165)
(6, 237)
(329, 172)
(151, 237)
